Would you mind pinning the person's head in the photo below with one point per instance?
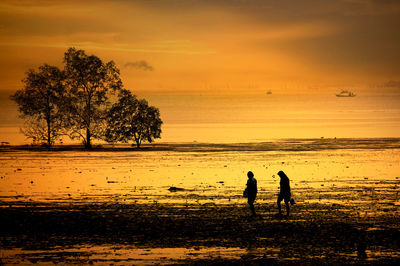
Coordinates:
(250, 174)
(282, 174)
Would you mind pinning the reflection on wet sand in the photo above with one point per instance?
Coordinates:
(162, 233)
(120, 255)
(116, 207)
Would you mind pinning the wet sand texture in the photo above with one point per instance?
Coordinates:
(111, 206)
(315, 233)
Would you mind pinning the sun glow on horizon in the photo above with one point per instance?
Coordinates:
(198, 49)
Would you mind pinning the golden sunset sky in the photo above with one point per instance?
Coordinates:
(212, 46)
(207, 64)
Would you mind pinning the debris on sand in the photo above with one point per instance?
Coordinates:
(175, 189)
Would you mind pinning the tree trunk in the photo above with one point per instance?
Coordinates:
(48, 134)
(88, 145)
(138, 142)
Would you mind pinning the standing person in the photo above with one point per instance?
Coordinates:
(284, 193)
(251, 188)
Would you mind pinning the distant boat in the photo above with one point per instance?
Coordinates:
(345, 93)
(269, 92)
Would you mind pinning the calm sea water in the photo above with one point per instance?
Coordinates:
(216, 118)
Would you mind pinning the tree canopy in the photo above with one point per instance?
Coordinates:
(41, 102)
(76, 102)
(89, 82)
(132, 119)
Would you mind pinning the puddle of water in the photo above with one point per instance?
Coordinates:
(119, 255)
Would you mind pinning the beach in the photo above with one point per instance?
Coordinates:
(130, 132)
(116, 204)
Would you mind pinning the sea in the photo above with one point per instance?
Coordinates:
(255, 118)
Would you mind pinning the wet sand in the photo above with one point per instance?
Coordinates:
(122, 233)
(98, 211)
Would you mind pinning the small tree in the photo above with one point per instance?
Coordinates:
(132, 119)
(89, 82)
(40, 102)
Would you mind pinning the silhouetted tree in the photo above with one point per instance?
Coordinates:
(132, 119)
(41, 103)
(89, 82)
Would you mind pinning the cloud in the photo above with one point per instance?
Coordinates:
(143, 65)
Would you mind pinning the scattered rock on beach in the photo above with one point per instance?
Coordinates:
(174, 189)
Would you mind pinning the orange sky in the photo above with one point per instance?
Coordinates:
(212, 46)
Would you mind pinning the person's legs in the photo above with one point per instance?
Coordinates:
(279, 204)
(251, 204)
(287, 206)
(252, 209)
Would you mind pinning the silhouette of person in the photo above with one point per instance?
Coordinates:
(284, 193)
(251, 188)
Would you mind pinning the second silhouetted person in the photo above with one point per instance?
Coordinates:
(251, 191)
(284, 193)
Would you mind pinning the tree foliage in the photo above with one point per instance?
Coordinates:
(132, 119)
(76, 102)
(38, 131)
(89, 81)
(41, 102)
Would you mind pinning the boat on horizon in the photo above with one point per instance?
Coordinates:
(346, 93)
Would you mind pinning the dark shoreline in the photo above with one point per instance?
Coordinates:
(315, 233)
(274, 145)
